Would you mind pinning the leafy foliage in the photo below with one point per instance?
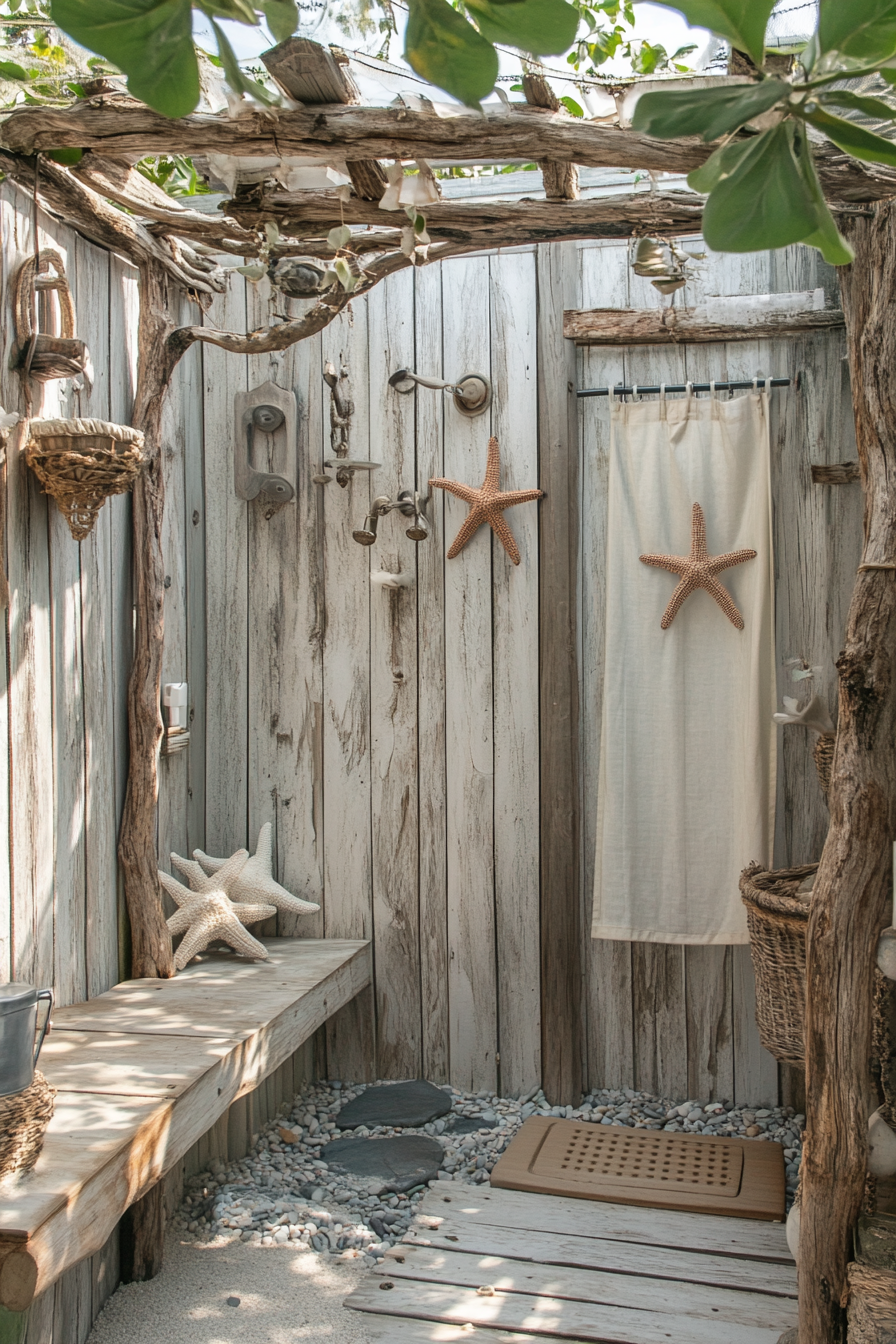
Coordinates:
(763, 187)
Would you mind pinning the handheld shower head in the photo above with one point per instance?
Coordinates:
(366, 535)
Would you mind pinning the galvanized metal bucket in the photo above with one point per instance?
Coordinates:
(20, 1042)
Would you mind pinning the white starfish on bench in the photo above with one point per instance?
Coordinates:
(206, 912)
(256, 882)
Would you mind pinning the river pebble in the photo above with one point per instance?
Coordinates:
(283, 1192)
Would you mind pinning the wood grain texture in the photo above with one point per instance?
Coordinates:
(561, 896)
(516, 691)
(852, 891)
(472, 990)
(431, 727)
(226, 593)
(747, 322)
(394, 798)
(346, 705)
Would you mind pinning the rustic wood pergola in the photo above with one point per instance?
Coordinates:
(174, 249)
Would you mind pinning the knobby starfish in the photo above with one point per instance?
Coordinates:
(699, 570)
(207, 913)
(256, 882)
(487, 504)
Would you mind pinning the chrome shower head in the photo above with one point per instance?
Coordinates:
(366, 535)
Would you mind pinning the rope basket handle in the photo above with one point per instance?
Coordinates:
(34, 275)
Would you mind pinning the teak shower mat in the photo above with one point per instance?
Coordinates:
(688, 1172)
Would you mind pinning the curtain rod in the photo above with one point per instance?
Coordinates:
(739, 386)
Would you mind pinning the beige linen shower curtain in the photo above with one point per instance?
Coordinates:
(687, 759)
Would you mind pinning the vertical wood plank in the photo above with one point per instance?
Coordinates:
(124, 302)
(515, 650)
(97, 632)
(181, 404)
(194, 533)
(561, 906)
(755, 1070)
(393, 691)
(286, 622)
(346, 694)
(226, 589)
(604, 281)
(6, 909)
(431, 765)
(32, 801)
(469, 700)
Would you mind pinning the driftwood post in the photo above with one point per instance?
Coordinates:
(151, 941)
(853, 886)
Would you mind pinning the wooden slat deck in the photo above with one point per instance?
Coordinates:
(572, 1270)
(142, 1072)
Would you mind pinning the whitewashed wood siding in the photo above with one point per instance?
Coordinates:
(391, 736)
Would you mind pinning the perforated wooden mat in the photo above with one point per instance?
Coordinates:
(691, 1172)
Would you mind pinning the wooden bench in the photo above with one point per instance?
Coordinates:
(142, 1072)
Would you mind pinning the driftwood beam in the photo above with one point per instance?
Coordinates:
(560, 178)
(120, 126)
(668, 326)
(854, 882)
(490, 223)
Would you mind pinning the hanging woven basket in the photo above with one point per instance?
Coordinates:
(823, 756)
(24, 1118)
(81, 463)
(44, 356)
(778, 920)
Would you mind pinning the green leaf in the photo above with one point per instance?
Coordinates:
(854, 139)
(341, 236)
(240, 11)
(764, 202)
(443, 48)
(282, 18)
(742, 22)
(572, 106)
(9, 70)
(872, 107)
(233, 73)
(710, 113)
(346, 278)
(539, 26)
(151, 41)
(720, 165)
(863, 29)
(827, 237)
(66, 156)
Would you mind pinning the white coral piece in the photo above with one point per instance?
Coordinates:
(813, 715)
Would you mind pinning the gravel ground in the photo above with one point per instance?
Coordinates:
(283, 1193)
(226, 1293)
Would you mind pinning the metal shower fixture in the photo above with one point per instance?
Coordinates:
(471, 394)
(408, 502)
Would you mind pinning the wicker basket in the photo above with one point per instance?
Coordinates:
(24, 1118)
(778, 922)
(81, 463)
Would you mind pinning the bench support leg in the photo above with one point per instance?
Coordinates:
(142, 1237)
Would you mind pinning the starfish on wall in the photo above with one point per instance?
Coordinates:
(206, 912)
(487, 504)
(699, 570)
(256, 882)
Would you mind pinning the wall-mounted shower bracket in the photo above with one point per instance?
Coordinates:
(345, 468)
(471, 394)
(264, 457)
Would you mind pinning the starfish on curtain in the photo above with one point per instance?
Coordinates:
(487, 504)
(699, 570)
(207, 913)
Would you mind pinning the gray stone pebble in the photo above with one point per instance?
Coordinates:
(283, 1193)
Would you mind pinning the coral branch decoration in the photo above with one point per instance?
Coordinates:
(699, 570)
(487, 504)
(206, 913)
(256, 882)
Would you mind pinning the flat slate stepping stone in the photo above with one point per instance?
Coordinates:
(400, 1163)
(397, 1104)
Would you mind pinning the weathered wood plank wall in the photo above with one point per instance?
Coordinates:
(399, 738)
